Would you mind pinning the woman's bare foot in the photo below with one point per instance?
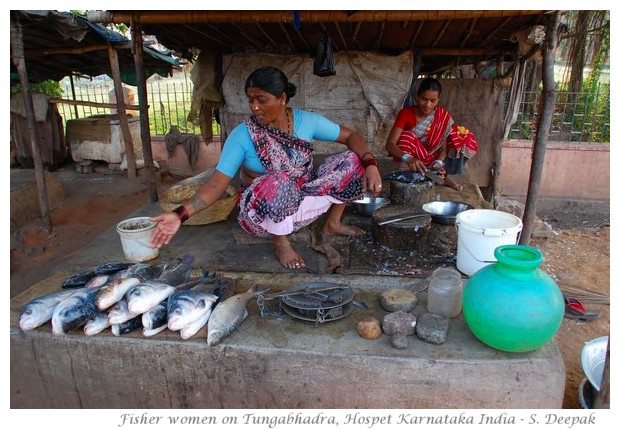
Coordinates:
(285, 253)
(339, 228)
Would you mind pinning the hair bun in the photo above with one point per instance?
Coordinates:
(291, 90)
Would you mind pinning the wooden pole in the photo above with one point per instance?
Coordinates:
(17, 55)
(122, 115)
(75, 109)
(549, 94)
(92, 104)
(145, 133)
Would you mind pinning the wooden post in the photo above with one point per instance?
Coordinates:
(549, 94)
(75, 108)
(138, 55)
(17, 55)
(122, 115)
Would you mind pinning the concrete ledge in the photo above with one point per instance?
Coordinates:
(278, 363)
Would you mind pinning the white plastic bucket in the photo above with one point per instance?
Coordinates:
(480, 231)
(135, 235)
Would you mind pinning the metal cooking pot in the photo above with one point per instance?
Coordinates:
(445, 212)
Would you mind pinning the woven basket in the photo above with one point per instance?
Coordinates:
(220, 210)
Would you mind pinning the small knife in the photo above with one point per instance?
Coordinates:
(436, 178)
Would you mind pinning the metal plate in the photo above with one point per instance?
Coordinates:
(593, 360)
(335, 298)
(445, 212)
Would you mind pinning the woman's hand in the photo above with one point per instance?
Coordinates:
(372, 180)
(415, 164)
(167, 225)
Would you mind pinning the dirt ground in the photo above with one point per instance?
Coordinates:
(577, 257)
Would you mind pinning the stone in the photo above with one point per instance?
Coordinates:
(369, 328)
(399, 341)
(398, 300)
(399, 322)
(432, 328)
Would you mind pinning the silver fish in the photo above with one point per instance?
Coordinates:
(128, 326)
(119, 313)
(149, 332)
(229, 314)
(190, 330)
(112, 292)
(156, 316)
(97, 281)
(96, 324)
(146, 295)
(73, 312)
(186, 306)
(40, 310)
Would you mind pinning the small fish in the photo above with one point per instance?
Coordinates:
(114, 291)
(150, 332)
(156, 316)
(78, 280)
(146, 295)
(96, 324)
(229, 314)
(179, 274)
(405, 176)
(190, 330)
(97, 281)
(112, 267)
(128, 326)
(119, 313)
(186, 306)
(40, 310)
(73, 312)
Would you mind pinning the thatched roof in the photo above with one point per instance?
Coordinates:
(445, 38)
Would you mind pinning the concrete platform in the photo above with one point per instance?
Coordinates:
(271, 362)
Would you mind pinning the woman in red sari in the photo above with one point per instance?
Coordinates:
(421, 135)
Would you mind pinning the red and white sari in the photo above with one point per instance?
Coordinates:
(425, 139)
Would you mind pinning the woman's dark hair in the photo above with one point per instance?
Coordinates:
(272, 80)
(429, 84)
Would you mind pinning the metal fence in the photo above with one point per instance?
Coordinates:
(578, 117)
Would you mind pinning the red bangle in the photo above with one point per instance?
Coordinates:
(368, 162)
(181, 211)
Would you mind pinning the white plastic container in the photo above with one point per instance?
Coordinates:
(135, 235)
(445, 292)
(479, 232)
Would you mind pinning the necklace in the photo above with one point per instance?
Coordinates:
(289, 126)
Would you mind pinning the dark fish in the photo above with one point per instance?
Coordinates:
(112, 267)
(128, 326)
(405, 176)
(74, 311)
(79, 280)
(179, 274)
(146, 271)
(157, 316)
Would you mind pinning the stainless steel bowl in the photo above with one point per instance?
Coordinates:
(368, 205)
(593, 357)
(445, 212)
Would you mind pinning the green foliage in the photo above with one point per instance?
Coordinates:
(49, 87)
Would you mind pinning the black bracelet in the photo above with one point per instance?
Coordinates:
(181, 211)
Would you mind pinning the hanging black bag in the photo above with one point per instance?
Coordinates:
(324, 58)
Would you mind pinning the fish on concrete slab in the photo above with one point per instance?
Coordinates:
(74, 311)
(127, 326)
(96, 324)
(156, 316)
(192, 328)
(228, 315)
(178, 274)
(186, 306)
(120, 313)
(113, 291)
(40, 310)
(146, 295)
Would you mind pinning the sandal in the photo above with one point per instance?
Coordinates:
(574, 309)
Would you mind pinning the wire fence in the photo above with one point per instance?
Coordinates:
(578, 117)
